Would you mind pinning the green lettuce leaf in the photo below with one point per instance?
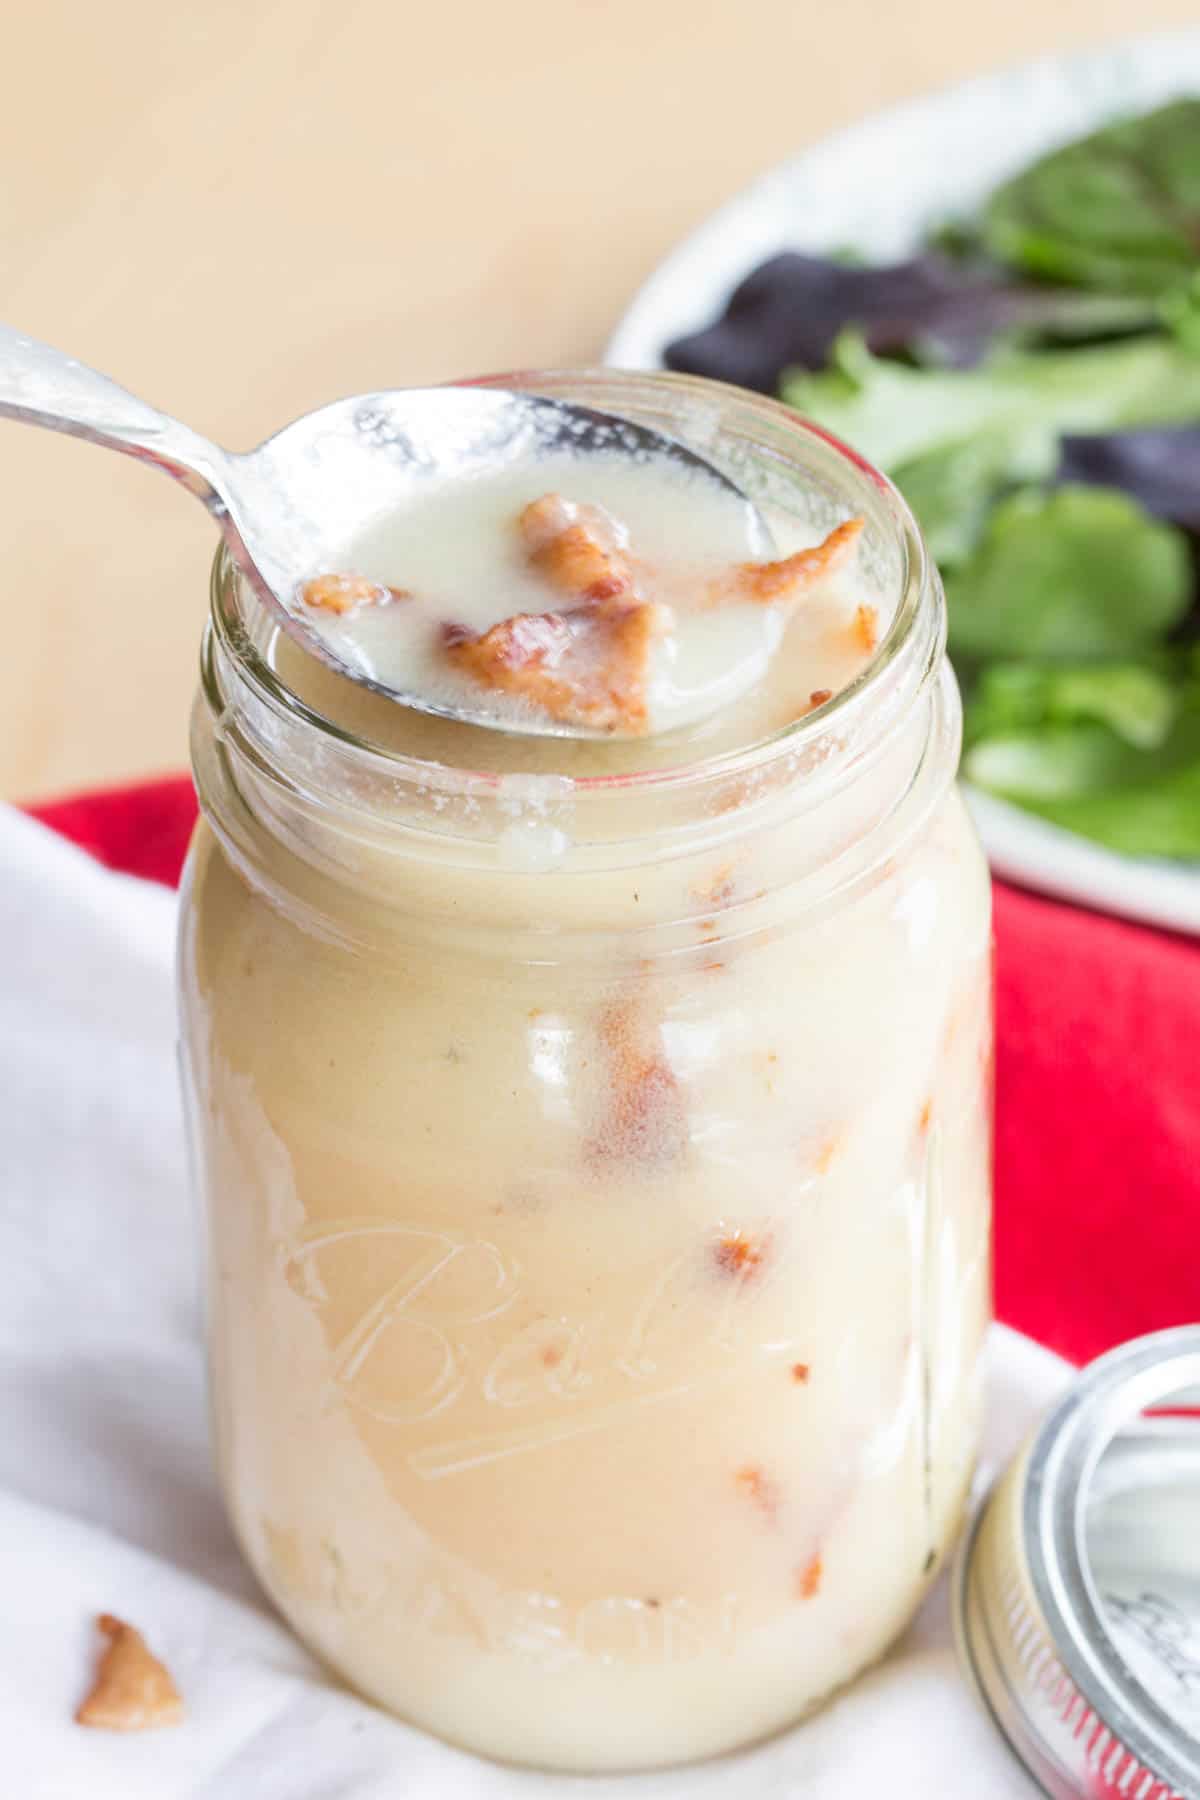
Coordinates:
(951, 488)
(1137, 701)
(1075, 574)
(894, 413)
(1119, 209)
(1089, 780)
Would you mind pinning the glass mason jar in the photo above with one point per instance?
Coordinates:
(597, 1165)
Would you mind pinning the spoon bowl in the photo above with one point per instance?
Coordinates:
(289, 509)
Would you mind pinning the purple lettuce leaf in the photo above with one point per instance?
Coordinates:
(788, 312)
(1160, 467)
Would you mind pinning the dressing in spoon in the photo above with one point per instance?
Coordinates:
(419, 477)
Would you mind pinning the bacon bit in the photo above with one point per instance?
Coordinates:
(759, 1489)
(735, 794)
(788, 578)
(801, 709)
(347, 593)
(791, 714)
(709, 932)
(719, 888)
(808, 1579)
(607, 588)
(132, 1690)
(825, 1156)
(800, 1373)
(552, 1355)
(647, 1120)
(588, 666)
(865, 629)
(647, 1123)
(741, 1255)
(577, 548)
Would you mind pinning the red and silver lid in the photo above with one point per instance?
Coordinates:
(1077, 1596)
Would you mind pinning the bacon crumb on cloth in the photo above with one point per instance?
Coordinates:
(347, 593)
(132, 1690)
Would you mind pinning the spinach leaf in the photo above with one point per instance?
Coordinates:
(951, 488)
(1119, 209)
(894, 413)
(1156, 816)
(1075, 574)
(1088, 780)
(1160, 467)
(1137, 701)
(1051, 763)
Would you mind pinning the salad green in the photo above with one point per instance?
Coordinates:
(892, 411)
(1030, 379)
(1075, 573)
(1119, 209)
(1057, 477)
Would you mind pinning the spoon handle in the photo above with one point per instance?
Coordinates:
(41, 386)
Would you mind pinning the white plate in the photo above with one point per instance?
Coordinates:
(880, 186)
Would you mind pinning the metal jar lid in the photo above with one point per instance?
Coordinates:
(1077, 1597)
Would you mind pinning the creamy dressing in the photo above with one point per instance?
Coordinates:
(599, 1222)
(459, 555)
(821, 651)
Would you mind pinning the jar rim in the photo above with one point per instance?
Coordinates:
(907, 655)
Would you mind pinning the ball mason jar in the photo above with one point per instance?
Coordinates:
(596, 1162)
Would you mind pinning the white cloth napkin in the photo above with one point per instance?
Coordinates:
(107, 1497)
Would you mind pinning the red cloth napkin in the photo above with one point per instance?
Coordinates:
(1097, 1085)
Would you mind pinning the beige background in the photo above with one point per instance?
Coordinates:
(241, 208)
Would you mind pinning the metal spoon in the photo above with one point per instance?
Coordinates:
(288, 509)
